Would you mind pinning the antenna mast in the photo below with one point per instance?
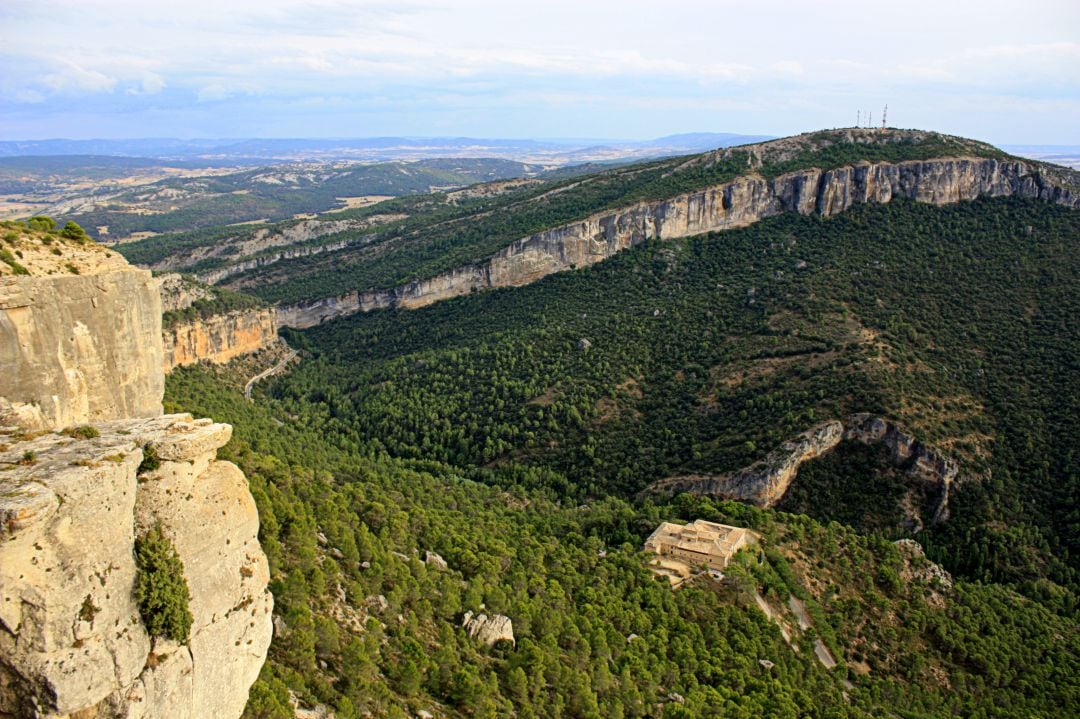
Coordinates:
(858, 118)
(884, 114)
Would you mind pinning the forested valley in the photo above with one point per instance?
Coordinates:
(511, 432)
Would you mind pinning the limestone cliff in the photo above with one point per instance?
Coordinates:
(738, 203)
(71, 639)
(765, 482)
(80, 344)
(77, 336)
(218, 338)
(210, 331)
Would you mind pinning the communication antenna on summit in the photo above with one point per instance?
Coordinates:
(858, 118)
(870, 121)
(884, 114)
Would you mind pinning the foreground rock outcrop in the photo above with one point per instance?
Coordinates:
(80, 344)
(738, 203)
(765, 482)
(71, 639)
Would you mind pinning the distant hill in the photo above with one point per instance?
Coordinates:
(247, 151)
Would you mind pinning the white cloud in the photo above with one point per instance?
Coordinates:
(29, 97)
(730, 57)
(75, 79)
(149, 84)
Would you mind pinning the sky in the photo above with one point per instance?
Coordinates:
(1005, 72)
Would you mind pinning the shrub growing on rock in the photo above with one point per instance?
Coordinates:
(160, 587)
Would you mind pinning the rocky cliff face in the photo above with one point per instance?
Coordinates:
(765, 482)
(72, 643)
(78, 348)
(80, 343)
(734, 204)
(219, 338)
(215, 276)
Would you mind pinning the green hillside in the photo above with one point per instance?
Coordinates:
(442, 233)
(431, 243)
(512, 433)
(369, 629)
(706, 353)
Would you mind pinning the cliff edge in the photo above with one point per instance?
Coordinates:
(741, 202)
(81, 330)
(75, 320)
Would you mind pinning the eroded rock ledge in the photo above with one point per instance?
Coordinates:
(738, 203)
(72, 642)
(765, 482)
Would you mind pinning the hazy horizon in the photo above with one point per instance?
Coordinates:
(313, 69)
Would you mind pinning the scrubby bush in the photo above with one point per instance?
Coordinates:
(160, 587)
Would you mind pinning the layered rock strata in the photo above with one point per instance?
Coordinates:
(72, 643)
(738, 203)
(765, 482)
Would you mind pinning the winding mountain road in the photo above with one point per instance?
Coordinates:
(266, 373)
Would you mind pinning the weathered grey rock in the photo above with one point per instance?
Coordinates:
(918, 568)
(319, 711)
(738, 203)
(489, 630)
(80, 348)
(179, 293)
(765, 482)
(432, 559)
(71, 638)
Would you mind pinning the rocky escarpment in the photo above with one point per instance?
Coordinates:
(78, 342)
(218, 338)
(765, 482)
(738, 203)
(72, 643)
(214, 276)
